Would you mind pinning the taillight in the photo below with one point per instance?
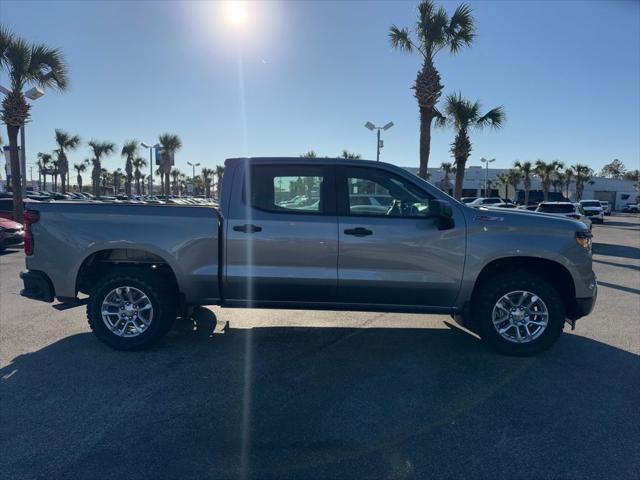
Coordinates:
(30, 217)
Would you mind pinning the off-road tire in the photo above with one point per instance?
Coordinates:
(498, 285)
(163, 299)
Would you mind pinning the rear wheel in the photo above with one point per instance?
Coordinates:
(519, 313)
(131, 309)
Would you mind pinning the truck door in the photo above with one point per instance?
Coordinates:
(282, 239)
(393, 253)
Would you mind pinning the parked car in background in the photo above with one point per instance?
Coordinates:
(606, 207)
(594, 210)
(631, 207)
(503, 205)
(467, 199)
(537, 196)
(530, 207)
(485, 201)
(565, 209)
(11, 233)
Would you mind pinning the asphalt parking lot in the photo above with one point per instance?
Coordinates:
(293, 394)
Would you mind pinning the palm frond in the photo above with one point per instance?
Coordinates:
(461, 28)
(47, 67)
(6, 37)
(440, 119)
(431, 28)
(18, 57)
(494, 118)
(400, 40)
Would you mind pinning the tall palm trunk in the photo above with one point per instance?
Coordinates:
(428, 89)
(527, 189)
(461, 149)
(167, 184)
(16, 185)
(79, 180)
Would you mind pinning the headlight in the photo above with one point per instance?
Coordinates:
(583, 238)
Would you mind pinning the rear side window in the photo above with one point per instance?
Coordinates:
(288, 188)
(557, 208)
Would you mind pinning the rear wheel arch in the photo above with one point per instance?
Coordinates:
(102, 262)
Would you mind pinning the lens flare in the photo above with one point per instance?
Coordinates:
(236, 12)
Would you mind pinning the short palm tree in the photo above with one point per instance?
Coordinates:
(463, 116)
(169, 145)
(568, 178)
(129, 151)
(54, 173)
(583, 174)
(448, 169)
(79, 168)
(503, 179)
(546, 171)
(65, 143)
(99, 149)
(26, 64)
(514, 177)
(138, 163)
(434, 31)
(219, 175)
(175, 174)
(309, 154)
(207, 176)
(44, 162)
(526, 169)
(117, 177)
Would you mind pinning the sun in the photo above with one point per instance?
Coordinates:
(236, 12)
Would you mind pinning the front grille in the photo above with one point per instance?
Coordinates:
(590, 213)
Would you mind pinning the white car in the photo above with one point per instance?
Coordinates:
(593, 209)
(485, 201)
(565, 209)
(606, 207)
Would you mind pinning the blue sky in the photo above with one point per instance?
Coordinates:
(310, 74)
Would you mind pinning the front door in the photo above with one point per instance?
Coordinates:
(282, 246)
(391, 252)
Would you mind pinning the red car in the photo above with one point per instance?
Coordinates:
(11, 233)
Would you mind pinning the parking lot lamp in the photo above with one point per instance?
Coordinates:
(150, 147)
(486, 174)
(379, 143)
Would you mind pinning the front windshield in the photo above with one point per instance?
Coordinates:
(591, 204)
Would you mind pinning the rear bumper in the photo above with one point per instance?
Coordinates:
(37, 286)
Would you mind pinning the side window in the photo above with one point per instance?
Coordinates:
(373, 192)
(282, 189)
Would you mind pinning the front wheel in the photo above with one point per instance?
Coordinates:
(519, 313)
(131, 309)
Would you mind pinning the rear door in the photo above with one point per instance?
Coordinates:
(282, 240)
(395, 254)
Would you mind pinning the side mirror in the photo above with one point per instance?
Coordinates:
(441, 210)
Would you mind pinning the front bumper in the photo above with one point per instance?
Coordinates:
(584, 306)
(37, 286)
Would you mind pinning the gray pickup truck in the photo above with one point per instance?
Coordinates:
(313, 234)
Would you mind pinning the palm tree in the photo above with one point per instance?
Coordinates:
(219, 175)
(503, 179)
(434, 31)
(159, 173)
(447, 168)
(546, 171)
(309, 154)
(350, 155)
(100, 149)
(142, 183)
(207, 174)
(169, 144)
(79, 168)
(129, 151)
(175, 174)
(526, 170)
(137, 164)
(583, 175)
(65, 142)
(514, 176)
(54, 174)
(463, 116)
(43, 163)
(117, 176)
(26, 64)
(568, 178)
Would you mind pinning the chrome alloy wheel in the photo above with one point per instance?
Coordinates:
(127, 312)
(520, 316)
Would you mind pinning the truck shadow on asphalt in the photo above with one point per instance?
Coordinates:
(623, 251)
(311, 402)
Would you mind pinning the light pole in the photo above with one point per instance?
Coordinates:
(193, 177)
(486, 174)
(379, 144)
(150, 147)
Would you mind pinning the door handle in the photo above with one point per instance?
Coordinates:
(247, 228)
(358, 232)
